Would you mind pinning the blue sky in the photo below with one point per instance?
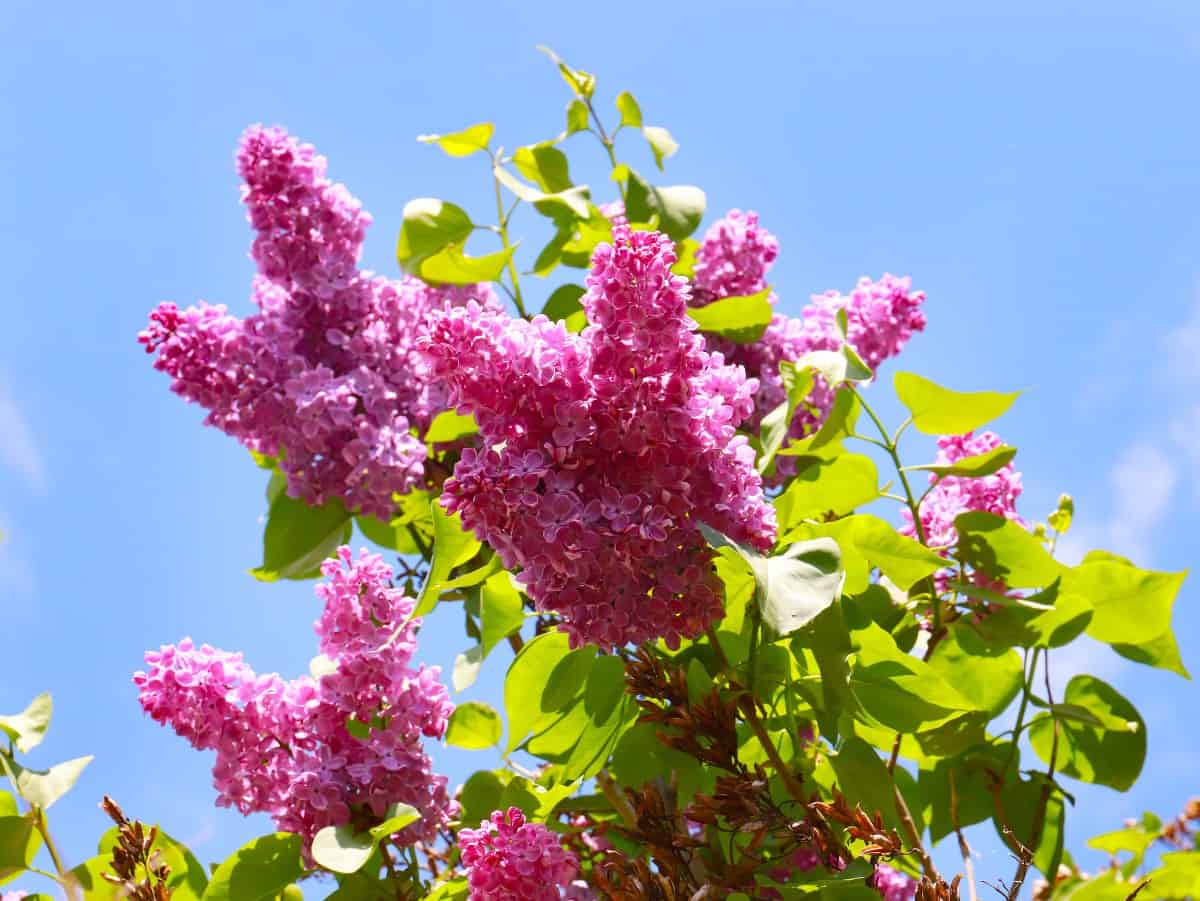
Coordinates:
(1035, 169)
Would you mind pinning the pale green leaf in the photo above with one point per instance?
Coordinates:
(450, 426)
(341, 849)
(474, 725)
(740, 319)
(939, 411)
(463, 143)
(28, 727)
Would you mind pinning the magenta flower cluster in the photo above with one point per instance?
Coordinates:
(603, 451)
(509, 859)
(326, 371)
(734, 259)
(996, 493)
(285, 747)
(892, 884)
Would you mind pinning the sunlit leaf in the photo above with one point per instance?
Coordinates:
(939, 411)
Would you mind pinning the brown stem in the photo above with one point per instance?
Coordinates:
(1039, 817)
(750, 713)
(64, 878)
(609, 788)
(516, 642)
(790, 782)
(914, 835)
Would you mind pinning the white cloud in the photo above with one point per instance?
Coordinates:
(18, 450)
(1181, 362)
(16, 572)
(1142, 482)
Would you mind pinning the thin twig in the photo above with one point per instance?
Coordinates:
(963, 847)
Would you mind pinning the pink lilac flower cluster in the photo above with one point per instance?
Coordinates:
(284, 748)
(892, 884)
(996, 493)
(603, 451)
(882, 315)
(326, 371)
(13, 896)
(733, 258)
(509, 859)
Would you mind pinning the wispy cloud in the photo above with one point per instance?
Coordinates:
(1143, 481)
(1181, 358)
(18, 450)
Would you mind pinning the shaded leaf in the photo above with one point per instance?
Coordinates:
(258, 870)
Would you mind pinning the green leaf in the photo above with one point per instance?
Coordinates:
(679, 208)
(341, 849)
(972, 467)
(1136, 839)
(1060, 519)
(775, 425)
(8, 805)
(480, 796)
(1092, 753)
(1178, 877)
(450, 426)
(391, 535)
(1001, 548)
(582, 83)
(864, 779)
(452, 547)
(989, 678)
(28, 727)
(1131, 606)
(397, 533)
(258, 870)
(43, 787)
(399, 816)
(88, 877)
(836, 486)
(836, 366)
(474, 725)
(465, 142)
(971, 770)
(898, 557)
(501, 611)
(577, 116)
(896, 690)
(452, 267)
(466, 668)
(662, 145)
(740, 319)
(1020, 800)
(631, 113)
(564, 302)
(685, 264)
(1161, 652)
(19, 843)
(796, 586)
(188, 878)
(607, 716)
(528, 680)
(429, 226)
(545, 165)
(453, 890)
(939, 411)
(299, 537)
(569, 203)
